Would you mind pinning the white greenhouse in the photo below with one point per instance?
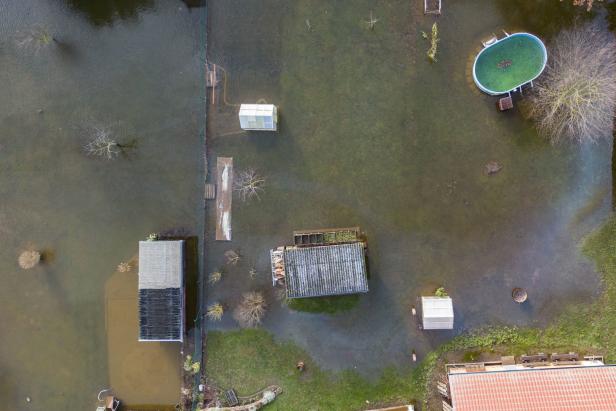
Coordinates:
(258, 117)
(437, 313)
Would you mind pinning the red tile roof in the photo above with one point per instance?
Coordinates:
(591, 388)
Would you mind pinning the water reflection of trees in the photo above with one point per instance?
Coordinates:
(543, 17)
(103, 12)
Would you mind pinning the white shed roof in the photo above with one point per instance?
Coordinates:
(258, 117)
(257, 109)
(160, 264)
(437, 313)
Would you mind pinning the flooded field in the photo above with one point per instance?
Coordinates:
(373, 134)
(134, 72)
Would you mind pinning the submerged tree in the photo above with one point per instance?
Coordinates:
(248, 184)
(233, 257)
(34, 39)
(576, 96)
(251, 310)
(103, 144)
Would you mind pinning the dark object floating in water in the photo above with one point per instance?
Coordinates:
(504, 64)
(519, 295)
(493, 167)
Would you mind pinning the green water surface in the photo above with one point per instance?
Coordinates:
(510, 63)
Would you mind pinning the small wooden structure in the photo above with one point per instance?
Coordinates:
(210, 191)
(490, 41)
(505, 103)
(326, 236)
(432, 6)
(571, 357)
(321, 263)
(231, 398)
(541, 357)
(437, 313)
(442, 389)
(224, 178)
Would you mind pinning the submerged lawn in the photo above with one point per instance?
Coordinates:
(249, 360)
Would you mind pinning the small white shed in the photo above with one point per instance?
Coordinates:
(258, 117)
(437, 313)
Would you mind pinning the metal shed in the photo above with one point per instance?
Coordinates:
(258, 117)
(161, 290)
(437, 313)
(325, 270)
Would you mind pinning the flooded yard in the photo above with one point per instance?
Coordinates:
(133, 71)
(373, 134)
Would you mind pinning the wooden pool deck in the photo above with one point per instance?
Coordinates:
(224, 180)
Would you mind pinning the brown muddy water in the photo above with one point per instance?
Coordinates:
(373, 134)
(133, 69)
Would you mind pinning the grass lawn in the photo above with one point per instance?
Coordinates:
(249, 360)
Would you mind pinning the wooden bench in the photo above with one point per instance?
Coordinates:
(231, 398)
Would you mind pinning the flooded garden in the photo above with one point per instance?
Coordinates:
(381, 127)
(73, 72)
(448, 191)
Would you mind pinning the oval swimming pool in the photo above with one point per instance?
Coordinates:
(509, 63)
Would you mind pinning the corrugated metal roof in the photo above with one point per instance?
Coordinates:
(161, 295)
(160, 264)
(325, 270)
(554, 389)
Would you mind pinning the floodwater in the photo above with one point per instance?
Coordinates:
(133, 70)
(373, 134)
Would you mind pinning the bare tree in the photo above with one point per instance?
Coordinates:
(233, 257)
(251, 310)
(248, 184)
(102, 144)
(576, 96)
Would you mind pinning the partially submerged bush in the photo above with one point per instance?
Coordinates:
(232, 257)
(440, 292)
(576, 96)
(29, 259)
(215, 312)
(190, 366)
(215, 277)
(433, 43)
(251, 310)
(124, 267)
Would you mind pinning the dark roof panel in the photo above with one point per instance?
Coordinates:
(160, 314)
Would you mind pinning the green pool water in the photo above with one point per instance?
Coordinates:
(509, 63)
